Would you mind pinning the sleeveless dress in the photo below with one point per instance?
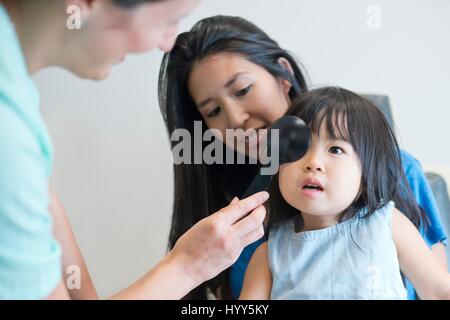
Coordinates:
(355, 259)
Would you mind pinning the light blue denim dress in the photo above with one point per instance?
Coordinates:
(355, 259)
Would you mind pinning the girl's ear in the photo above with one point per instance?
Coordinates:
(286, 65)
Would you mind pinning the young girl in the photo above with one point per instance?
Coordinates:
(345, 225)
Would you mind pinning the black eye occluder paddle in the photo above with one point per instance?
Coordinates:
(293, 143)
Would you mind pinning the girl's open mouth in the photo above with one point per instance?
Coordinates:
(311, 187)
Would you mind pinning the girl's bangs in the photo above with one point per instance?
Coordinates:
(331, 117)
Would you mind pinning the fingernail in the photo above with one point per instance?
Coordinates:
(265, 195)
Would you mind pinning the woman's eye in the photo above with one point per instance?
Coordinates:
(214, 113)
(336, 150)
(243, 92)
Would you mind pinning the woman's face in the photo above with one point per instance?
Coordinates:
(233, 93)
(111, 32)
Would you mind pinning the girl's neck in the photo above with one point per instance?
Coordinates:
(34, 23)
(315, 222)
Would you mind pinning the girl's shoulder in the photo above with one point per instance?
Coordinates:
(385, 208)
(282, 225)
(281, 229)
(381, 216)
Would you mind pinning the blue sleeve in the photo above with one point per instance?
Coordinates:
(30, 266)
(423, 194)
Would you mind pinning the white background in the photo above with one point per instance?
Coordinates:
(113, 166)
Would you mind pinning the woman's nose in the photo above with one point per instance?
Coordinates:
(236, 116)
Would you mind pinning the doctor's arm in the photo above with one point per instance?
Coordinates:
(209, 247)
(205, 250)
(417, 262)
(71, 254)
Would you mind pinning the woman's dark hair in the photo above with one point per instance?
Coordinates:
(132, 3)
(347, 116)
(202, 189)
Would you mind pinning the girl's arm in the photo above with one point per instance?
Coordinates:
(258, 279)
(438, 250)
(417, 261)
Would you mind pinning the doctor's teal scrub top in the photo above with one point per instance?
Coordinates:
(30, 257)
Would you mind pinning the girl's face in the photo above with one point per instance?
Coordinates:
(325, 181)
(112, 32)
(233, 93)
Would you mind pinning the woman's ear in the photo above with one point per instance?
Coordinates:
(286, 65)
(83, 8)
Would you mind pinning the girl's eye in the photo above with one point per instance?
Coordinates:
(336, 150)
(214, 113)
(243, 92)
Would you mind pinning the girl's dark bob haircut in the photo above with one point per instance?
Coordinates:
(344, 115)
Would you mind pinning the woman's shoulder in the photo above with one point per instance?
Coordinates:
(410, 164)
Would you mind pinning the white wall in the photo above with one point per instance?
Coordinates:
(112, 162)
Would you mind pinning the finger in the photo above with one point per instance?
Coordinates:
(235, 199)
(253, 236)
(250, 223)
(240, 208)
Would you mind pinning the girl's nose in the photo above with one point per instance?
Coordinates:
(312, 162)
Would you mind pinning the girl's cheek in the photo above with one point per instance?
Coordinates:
(284, 175)
(282, 170)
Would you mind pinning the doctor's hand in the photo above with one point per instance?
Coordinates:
(215, 242)
(205, 250)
